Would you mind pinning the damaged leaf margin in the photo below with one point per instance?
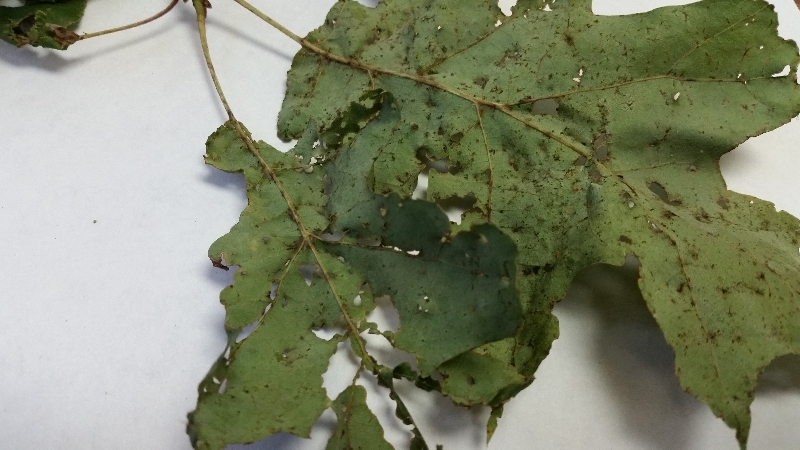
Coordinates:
(42, 23)
(388, 245)
(623, 161)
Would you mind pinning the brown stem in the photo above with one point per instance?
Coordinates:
(133, 25)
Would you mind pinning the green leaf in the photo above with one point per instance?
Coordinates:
(456, 295)
(357, 428)
(45, 23)
(293, 277)
(586, 138)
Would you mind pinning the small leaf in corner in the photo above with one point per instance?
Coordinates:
(41, 23)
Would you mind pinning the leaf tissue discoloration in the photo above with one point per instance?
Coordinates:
(582, 139)
(44, 23)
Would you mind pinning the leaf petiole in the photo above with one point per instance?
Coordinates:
(130, 26)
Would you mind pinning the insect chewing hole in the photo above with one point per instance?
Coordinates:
(308, 271)
(455, 206)
(329, 331)
(785, 72)
(342, 366)
(506, 5)
(385, 315)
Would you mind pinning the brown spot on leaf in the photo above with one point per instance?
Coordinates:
(218, 264)
(702, 216)
(63, 36)
(456, 138)
(658, 189)
(600, 146)
(595, 175)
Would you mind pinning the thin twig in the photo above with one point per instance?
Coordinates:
(133, 25)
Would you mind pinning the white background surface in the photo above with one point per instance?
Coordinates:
(106, 327)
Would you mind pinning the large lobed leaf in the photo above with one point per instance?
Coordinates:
(577, 140)
(584, 139)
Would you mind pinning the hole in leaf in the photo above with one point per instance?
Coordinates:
(783, 73)
(548, 106)
(329, 332)
(395, 432)
(385, 353)
(368, 4)
(506, 5)
(246, 331)
(273, 290)
(342, 368)
(463, 427)
(439, 165)
(320, 433)
(455, 206)
(623, 7)
(25, 26)
(385, 315)
(308, 271)
(421, 190)
(223, 386)
(11, 3)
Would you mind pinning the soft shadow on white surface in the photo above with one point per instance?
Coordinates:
(634, 359)
(109, 326)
